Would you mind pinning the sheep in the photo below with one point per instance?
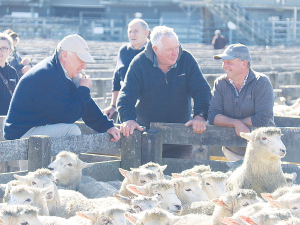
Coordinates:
(290, 221)
(196, 169)
(158, 169)
(69, 167)
(135, 176)
(201, 207)
(285, 110)
(188, 191)
(289, 201)
(261, 169)
(19, 214)
(140, 203)
(30, 195)
(110, 215)
(165, 189)
(6, 188)
(290, 178)
(213, 183)
(231, 202)
(281, 191)
(153, 217)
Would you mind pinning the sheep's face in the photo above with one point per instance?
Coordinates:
(143, 203)
(289, 201)
(44, 182)
(188, 190)
(29, 219)
(213, 183)
(144, 177)
(272, 144)
(26, 197)
(159, 171)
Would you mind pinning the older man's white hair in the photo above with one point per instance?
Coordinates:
(159, 32)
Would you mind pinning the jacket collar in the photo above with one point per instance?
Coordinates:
(150, 53)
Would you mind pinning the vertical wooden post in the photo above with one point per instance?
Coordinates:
(152, 146)
(39, 152)
(131, 150)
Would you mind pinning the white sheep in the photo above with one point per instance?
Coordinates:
(22, 195)
(140, 203)
(165, 189)
(139, 176)
(6, 188)
(261, 169)
(69, 167)
(290, 178)
(290, 221)
(19, 214)
(158, 169)
(289, 201)
(285, 110)
(231, 202)
(201, 207)
(198, 169)
(153, 217)
(110, 215)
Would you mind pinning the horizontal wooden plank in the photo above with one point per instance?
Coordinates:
(13, 150)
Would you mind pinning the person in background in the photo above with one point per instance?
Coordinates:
(218, 40)
(241, 98)
(47, 101)
(159, 86)
(8, 75)
(15, 60)
(138, 31)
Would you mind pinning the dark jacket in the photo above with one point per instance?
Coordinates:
(163, 97)
(10, 74)
(15, 61)
(125, 55)
(256, 99)
(46, 96)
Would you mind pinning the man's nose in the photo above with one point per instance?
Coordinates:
(83, 65)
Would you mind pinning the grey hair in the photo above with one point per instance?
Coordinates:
(142, 22)
(8, 38)
(159, 32)
(59, 53)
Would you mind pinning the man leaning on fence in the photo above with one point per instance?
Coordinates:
(138, 31)
(47, 101)
(163, 79)
(241, 98)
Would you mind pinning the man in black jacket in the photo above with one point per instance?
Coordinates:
(164, 78)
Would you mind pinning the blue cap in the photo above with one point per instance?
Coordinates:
(235, 51)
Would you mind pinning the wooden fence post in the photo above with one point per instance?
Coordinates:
(39, 152)
(152, 142)
(131, 150)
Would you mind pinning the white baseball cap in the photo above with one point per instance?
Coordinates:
(75, 43)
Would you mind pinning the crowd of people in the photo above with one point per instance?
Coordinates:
(155, 80)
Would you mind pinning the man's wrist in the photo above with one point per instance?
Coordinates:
(114, 106)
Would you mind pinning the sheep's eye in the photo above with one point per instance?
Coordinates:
(70, 164)
(138, 208)
(28, 200)
(25, 223)
(207, 183)
(264, 138)
(33, 183)
(294, 208)
(246, 204)
(188, 189)
(143, 182)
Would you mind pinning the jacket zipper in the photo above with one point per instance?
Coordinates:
(166, 78)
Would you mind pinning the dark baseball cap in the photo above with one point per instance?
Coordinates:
(235, 51)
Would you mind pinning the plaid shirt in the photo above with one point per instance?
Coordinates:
(237, 93)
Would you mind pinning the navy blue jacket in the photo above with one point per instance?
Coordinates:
(161, 101)
(45, 96)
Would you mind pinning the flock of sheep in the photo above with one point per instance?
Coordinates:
(281, 109)
(256, 193)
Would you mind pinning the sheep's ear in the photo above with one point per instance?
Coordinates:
(267, 196)
(127, 174)
(162, 168)
(138, 190)
(230, 221)
(247, 136)
(219, 202)
(23, 179)
(88, 215)
(131, 217)
(3, 187)
(249, 220)
(123, 199)
(44, 191)
(83, 165)
(175, 175)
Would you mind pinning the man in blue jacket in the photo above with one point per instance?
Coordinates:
(47, 101)
(159, 86)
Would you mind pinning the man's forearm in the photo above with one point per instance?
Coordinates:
(114, 98)
(225, 121)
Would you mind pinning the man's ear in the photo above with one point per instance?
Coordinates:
(154, 49)
(147, 33)
(64, 55)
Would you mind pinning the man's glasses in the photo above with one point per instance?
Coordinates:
(4, 49)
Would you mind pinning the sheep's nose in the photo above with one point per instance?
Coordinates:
(50, 168)
(283, 151)
(178, 207)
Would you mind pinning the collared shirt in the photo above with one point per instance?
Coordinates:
(237, 93)
(155, 63)
(144, 46)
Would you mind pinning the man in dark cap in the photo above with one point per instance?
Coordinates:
(241, 98)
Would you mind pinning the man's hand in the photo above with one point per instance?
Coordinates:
(25, 61)
(86, 81)
(26, 68)
(115, 132)
(240, 127)
(109, 111)
(128, 127)
(199, 124)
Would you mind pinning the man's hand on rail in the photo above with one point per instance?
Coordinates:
(128, 127)
(115, 132)
(198, 123)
